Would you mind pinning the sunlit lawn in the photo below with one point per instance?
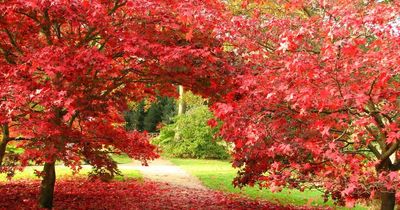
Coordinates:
(218, 175)
(122, 159)
(214, 174)
(64, 172)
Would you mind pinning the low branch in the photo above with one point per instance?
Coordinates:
(375, 151)
(392, 149)
(13, 41)
(307, 11)
(371, 88)
(73, 117)
(116, 6)
(361, 152)
(376, 137)
(395, 167)
(20, 139)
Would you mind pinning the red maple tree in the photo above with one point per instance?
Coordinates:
(70, 67)
(317, 99)
(315, 105)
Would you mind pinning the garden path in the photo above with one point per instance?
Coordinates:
(161, 170)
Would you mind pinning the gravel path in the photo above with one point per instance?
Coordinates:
(162, 170)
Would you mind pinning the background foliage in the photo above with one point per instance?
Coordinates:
(146, 116)
(195, 138)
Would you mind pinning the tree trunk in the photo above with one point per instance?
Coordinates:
(4, 142)
(3, 146)
(388, 200)
(182, 104)
(181, 111)
(47, 186)
(388, 196)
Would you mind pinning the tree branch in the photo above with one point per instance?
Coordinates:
(116, 6)
(20, 139)
(73, 117)
(390, 151)
(374, 151)
(13, 41)
(395, 166)
(376, 137)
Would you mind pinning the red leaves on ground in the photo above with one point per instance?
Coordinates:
(82, 194)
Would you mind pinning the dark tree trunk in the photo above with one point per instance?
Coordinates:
(388, 200)
(3, 146)
(388, 196)
(49, 170)
(4, 142)
(47, 186)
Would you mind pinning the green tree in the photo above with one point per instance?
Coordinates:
(152, 118)
(160, 111)
(134, 117)
(168, 110)
(196, 137)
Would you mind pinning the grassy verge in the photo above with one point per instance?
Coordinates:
(218, 175)
(121, 159)
(64, 172)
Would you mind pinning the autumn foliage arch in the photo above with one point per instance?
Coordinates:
(308, 91)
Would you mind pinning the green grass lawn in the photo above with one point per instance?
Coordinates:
(218, 175)
(64, 172)
(122, 158)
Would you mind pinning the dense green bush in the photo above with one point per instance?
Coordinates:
(190, 136)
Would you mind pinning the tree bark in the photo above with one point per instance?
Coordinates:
(49, 170)
(388, 200)
(3, 146)
(388, 196)
(182, 104)
(4, 142)
(181, 111)
(47, 186)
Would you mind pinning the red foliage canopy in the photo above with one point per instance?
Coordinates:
(69, 68)
(317, 98)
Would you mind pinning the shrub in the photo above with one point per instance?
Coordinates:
(190, 136)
